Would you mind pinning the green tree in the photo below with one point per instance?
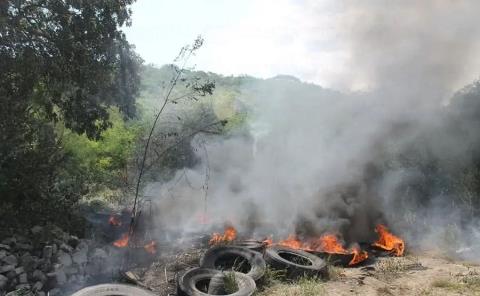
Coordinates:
(60, 61)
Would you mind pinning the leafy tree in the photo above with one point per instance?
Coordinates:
(60, 61)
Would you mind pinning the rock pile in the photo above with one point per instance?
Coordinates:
(48, 261)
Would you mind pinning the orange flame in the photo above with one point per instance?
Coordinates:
(327, 243)
(268, 241)
(114, 221)
(358, 256)
(151, 247)
(388, 241)
(229, 235)
(122, 242)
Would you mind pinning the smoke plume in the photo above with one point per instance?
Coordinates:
(315, 160)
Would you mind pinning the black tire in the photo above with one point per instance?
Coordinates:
(296, 263)
(214, 256)
(251, 244)
(187, 283)
(113, 289)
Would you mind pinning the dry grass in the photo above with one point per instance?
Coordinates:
(465, 283)
(384, 291)
(334, 273)
(304, 287)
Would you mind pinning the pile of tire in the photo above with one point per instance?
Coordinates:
(209, 279)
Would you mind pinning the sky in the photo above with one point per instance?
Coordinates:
(259, 38)
(345, 45)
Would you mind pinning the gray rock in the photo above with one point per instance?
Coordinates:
(19, 270)
(64, 259)
(36, 229)
(73, 241)
(37, 286)
(66, 248)
(22, 289)
(54, 292)
(28, 262)
(39, 276)
(41, 293)
(9, 241)
(80, 257)
(54, 249)
(11, 260)
(61, 277)
(24, 246)
(47, 252)
(99, 254)
(6, 268)
(11, 274)
(22, 278)
(3, 282)
(3, 254)
(5, 247)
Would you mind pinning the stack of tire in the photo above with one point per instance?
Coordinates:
(209, 279)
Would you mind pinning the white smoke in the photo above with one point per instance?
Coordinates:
(314, 159)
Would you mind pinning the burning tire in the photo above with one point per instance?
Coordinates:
(242, 259)
(254, 245)
(196, 282)
(296, 263)
(113, 289)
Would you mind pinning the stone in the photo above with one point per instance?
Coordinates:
(36, 229)
(39, 276)
(28, 262)
(5, 247)
(11, 260)
(3, 282)
(22, 289)
(64, 258)
(54, 292)
(19, 270)
(41, 293)
(54, 249)
(37, 286)
(73, 241)
(6, 268)
(3, 254)
(24, 246)
(66, 248)
(11, 274)
(61, 277)
(80, 257)
(99, 254)
(9, 241)
(47, 252)
(22, 278)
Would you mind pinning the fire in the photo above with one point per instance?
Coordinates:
(229, 235)
(292, 242)
(327, 243)
(151, 247)
(268, 241)
(122, 242)
(114, 221)
(358, 256)
(388, 241)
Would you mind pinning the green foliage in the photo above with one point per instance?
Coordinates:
(104, 161)
(61, 62)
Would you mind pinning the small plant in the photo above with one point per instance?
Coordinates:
(311, 286)
(334, 272)
(230, 282)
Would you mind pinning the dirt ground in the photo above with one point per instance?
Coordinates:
(419, 274)
(410, 275)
